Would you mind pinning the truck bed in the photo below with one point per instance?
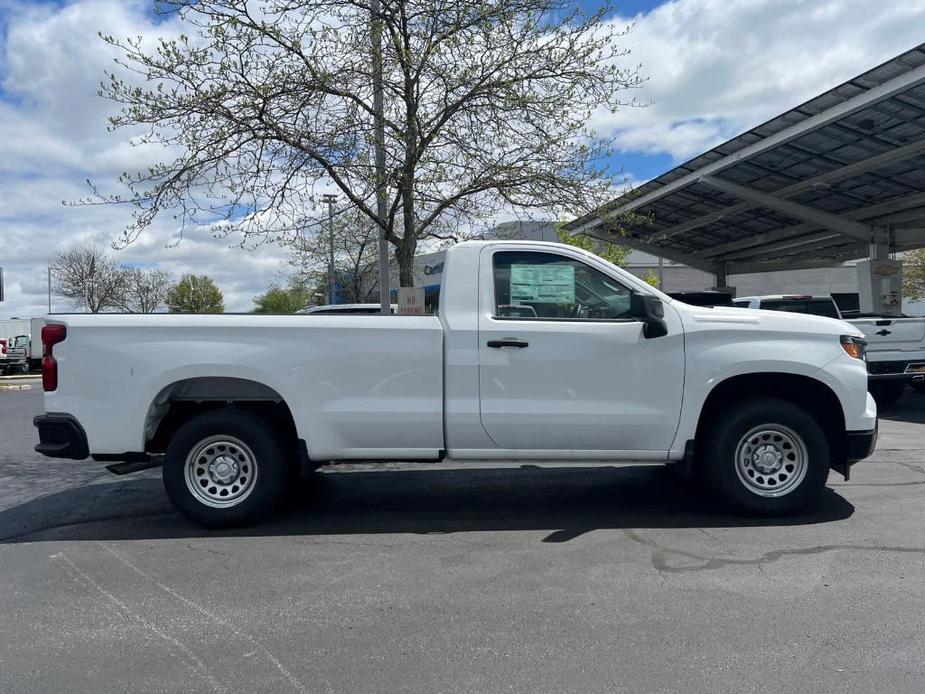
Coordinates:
(353, 383)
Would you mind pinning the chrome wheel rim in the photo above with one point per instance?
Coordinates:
(771, 460)
(221, 471)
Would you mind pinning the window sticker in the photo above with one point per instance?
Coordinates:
(551, 284)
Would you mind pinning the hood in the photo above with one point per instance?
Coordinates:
(779, 321)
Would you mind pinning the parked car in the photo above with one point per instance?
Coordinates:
(896, 354)
(594, 364)
(895, 344)
(22, 344)
(27, 342)
(12, 357)
(18, 353)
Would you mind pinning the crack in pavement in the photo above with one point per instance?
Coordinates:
(258, 645)
(661, 555)
(192, 660)
(914, 468)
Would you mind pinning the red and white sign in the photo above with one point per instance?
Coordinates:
(410, 301)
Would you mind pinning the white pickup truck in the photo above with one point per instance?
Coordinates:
(539, 352)
(897, 354)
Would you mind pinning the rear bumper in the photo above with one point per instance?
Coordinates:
(896, 370)
(61, 436)
(910, 377)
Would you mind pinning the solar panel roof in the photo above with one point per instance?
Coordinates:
(814, 186)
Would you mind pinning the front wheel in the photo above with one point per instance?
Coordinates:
(225, 468)
(766, 457)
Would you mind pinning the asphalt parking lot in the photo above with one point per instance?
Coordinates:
(431, 579)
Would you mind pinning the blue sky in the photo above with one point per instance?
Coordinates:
(714, 68)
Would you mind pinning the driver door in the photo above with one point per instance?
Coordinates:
(562, 364)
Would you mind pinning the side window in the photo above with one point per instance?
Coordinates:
(741, 304)
(550, 286)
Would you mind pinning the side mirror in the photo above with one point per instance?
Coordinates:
(651, 312)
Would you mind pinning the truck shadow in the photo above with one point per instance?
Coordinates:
(567, 502)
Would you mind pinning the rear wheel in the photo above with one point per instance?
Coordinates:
(225, 468)
(766, 457)
(887, 392)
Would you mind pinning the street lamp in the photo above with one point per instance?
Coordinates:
(330, 198)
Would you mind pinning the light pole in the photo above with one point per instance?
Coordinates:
(332, 288)
(385, 299)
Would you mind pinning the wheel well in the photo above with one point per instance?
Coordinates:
(813, 396)
(179, 402)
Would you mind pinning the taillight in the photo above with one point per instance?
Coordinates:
(3, 347)
(51, 335)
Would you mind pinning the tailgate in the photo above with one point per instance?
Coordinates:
(892, 334)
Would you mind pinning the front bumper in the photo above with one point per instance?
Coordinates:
(860, 444)
(61, 436)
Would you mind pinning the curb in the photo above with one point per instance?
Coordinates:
(4, 387)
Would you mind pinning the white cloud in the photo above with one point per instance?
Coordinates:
(718, 67)
(53, 136)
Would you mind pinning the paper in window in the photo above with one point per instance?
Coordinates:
(550, 284)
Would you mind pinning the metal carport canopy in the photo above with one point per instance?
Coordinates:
(818, 185)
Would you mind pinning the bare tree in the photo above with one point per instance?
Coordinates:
(356, 260)
(485, 107)
(145, 291)
(90, 279)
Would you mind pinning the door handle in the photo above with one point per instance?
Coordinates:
(508, 342)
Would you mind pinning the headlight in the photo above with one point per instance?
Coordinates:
(854, 346)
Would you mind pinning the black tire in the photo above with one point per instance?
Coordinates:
(887, 392)
(792, 435)
(252, 461)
